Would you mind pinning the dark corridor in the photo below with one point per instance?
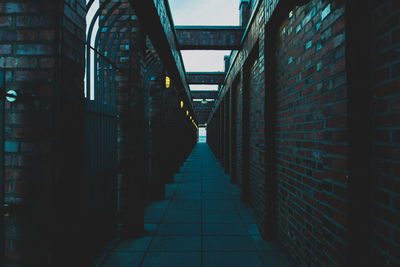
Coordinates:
(100, 114)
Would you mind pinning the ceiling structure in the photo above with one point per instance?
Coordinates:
(207, 38)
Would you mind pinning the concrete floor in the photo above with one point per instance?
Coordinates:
(202, 222)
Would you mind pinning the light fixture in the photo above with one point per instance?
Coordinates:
(181, 104)
(190, 117)
(187, 112)
(167, 82)
(11, 96)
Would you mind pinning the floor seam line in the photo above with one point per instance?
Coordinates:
(158, 226)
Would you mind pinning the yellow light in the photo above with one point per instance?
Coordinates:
(190, 117)
(181, 104)
(167, 82)
(187, 112)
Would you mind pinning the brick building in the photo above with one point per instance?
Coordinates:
(98, 120)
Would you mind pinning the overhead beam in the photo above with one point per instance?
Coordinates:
(201, 105)
(204, 94)
(209, 37)
(206, 77)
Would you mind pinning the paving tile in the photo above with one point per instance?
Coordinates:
(153, 215)
(221, 218)
(123, 259)
(130, 245)
(179, 216)
(228, 243)
(176, 243)
(175, 259)
(214, 189)
(216, 196)
(179, 229)
(232, 259)
(253, 229)
(194, 204)
(185, 195)
(225, 229)
(264, 245)
(218, 204)
(274, 259)
(158, 205)
(150, 229)
(190, 188)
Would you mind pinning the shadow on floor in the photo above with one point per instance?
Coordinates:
(202, 222)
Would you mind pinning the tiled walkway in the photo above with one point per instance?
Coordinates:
(202, 222)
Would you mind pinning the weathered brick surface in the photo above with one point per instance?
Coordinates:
(385, 47)
(239, 133)
(311, 134)
(256, 138)
(50, 80)
(27, 166)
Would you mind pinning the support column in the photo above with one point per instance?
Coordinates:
(44, 128)
(132, 150)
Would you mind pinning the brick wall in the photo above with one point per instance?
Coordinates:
(227, 141)
(385, 47)
(311, 134)
(238, 133)
(312, 119)
(29, 125)
(256, 165)
(155, 83)
(42, 53)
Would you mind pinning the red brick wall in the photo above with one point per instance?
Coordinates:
(385, 47)
(239, 133)
(42, 53)
(312, 118)
(256, 136)
(311, 134)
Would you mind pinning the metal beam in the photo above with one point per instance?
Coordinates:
(200, 105)
(209, 37)
(204, 94)
(206, 77)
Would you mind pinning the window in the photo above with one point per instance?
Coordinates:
(92, 27)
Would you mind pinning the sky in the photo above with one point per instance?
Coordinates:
(204, 12)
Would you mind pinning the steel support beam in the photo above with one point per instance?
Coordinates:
(206, 77)
(197, 104)
(209, 37)
(204, 94)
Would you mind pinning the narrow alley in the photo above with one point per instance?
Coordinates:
(199, 133)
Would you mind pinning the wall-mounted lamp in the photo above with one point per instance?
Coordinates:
(167, 82)
(181, 104)
(11, 96)
(190, 117)
(187, 112)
